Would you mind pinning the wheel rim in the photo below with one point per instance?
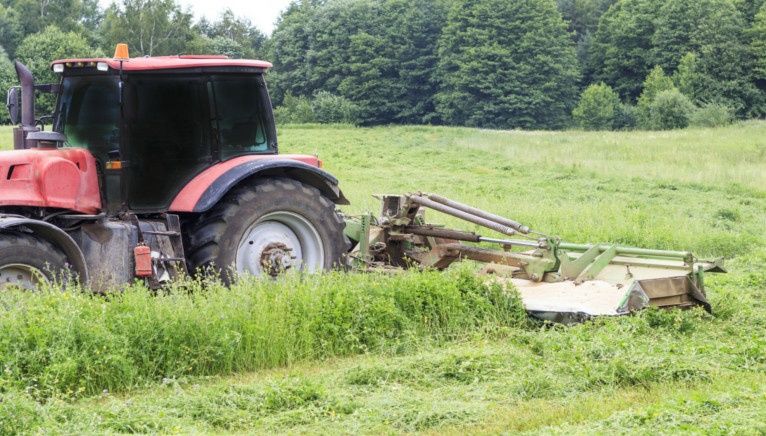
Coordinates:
(277, 242)
(21, 276)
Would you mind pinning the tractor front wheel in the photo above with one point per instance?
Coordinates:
(266, 228)
(27, 261)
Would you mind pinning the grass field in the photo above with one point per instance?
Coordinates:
(433, 353)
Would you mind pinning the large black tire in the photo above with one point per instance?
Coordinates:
(25, 260)
(213, 238)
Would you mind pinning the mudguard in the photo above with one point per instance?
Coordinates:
(207, 188)
(54, 235)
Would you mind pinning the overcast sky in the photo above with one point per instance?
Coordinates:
(262, 13)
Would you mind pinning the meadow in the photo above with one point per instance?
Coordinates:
(432, 352)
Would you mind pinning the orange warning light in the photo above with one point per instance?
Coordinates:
(121, 52)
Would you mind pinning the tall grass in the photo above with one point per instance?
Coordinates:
(73, 344)
(702, 190)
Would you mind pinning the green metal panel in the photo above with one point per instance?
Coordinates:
(598, 264)
(572, 268)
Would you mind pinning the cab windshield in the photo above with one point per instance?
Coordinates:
(88, 113)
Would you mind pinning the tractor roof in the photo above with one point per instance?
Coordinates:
(166, 62)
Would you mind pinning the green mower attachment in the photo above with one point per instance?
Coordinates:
(558, 281)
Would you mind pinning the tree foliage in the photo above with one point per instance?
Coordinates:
(582, 17)
(711, 115)
(705, 43)
(331, 108)
(758, 46)
(488, 63)
(381, 55)
(670, 110)
(38, 50)
(80, 16)
(7, 80)
(656, 82)
(230, 35)
(11, 30)
(392, 68)
(715, 32)
(506, 65)
(749, 8)
(620, 54)
(150, 27)
(598, 108)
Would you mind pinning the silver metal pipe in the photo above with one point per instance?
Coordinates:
(479, 213)
(500, 228)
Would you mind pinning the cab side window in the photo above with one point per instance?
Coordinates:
(240, 118)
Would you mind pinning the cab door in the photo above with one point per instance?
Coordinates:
(167, 137)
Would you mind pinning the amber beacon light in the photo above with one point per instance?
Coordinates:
(121, 52)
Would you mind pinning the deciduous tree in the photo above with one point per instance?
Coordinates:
(620, 54)
(150, 27)
(598, 108)
(507, 64)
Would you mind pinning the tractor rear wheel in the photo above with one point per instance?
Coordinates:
(265, 228)
(27, 261)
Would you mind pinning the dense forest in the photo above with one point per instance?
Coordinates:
(531, 64)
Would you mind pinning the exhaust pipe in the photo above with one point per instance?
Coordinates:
(27, 95)
(27, 106)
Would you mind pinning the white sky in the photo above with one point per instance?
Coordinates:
(262, 13)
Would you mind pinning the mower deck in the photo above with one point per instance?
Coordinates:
(557, 281)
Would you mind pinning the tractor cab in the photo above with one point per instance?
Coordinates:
(154, 123)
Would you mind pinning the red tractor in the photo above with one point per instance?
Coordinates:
(158, 165)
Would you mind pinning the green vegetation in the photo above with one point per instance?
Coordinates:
(598, 108)
(323, 107)
(72, 344)
(669, 110)
(668, 370)
(479, 63)
(432, 352)
(506, 65)
(651, 189)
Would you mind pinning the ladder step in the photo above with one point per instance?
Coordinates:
(161, 233)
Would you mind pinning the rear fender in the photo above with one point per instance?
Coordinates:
(55, 236)
(205, 190)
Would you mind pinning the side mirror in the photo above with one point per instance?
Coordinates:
(13, 102)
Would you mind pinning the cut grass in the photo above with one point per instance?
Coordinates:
(698, 189)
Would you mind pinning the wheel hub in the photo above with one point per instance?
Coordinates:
(277, 242)
(277, 257)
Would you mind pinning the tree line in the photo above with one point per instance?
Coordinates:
(531, 64)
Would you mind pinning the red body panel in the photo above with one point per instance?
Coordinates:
(191, 193)
(171, 62)
(58, 178)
